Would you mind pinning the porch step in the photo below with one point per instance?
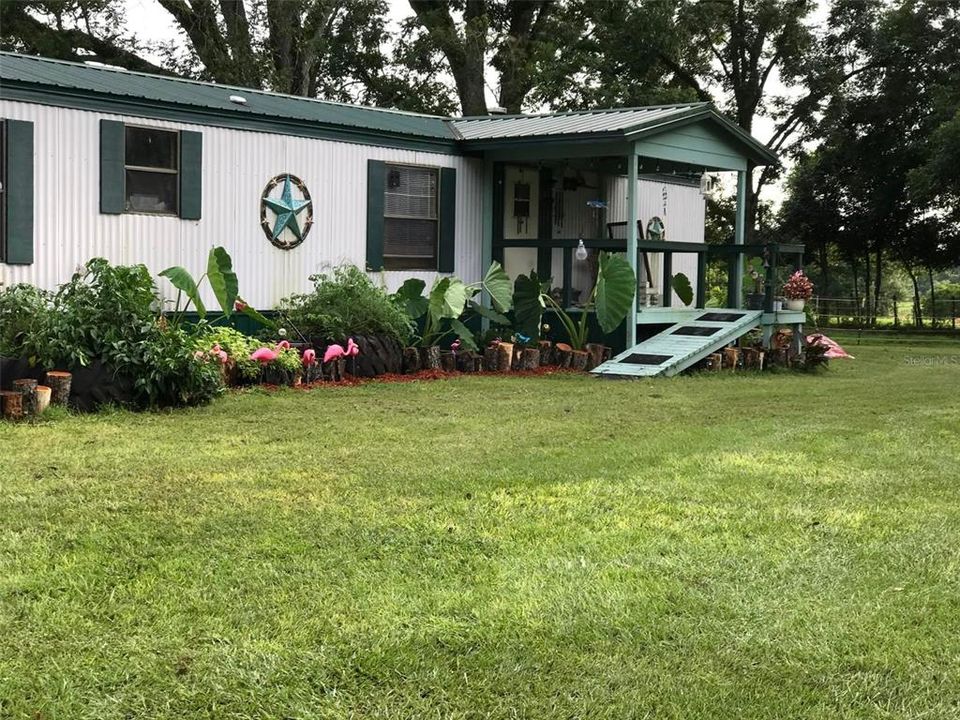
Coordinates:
(684, 338)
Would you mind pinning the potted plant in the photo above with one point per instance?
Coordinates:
(797, 290)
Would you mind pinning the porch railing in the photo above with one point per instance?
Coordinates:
(773, 255)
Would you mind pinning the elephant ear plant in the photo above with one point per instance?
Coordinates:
(610, 298)
(450, 301)
(223, 281)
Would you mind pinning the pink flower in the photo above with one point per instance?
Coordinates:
(309, 357)
(240, 306)
(264, 355)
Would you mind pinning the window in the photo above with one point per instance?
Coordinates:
(411, 222)
(151, 170)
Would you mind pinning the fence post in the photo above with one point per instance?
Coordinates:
(953, 313)
(896, 315)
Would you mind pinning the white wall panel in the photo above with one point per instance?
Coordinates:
(683, 215)
(69, 229)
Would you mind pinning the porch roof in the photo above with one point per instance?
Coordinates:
(694, 128)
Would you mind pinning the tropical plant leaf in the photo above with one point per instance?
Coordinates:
(497, 283)
(491, 315)
(528, 304)
(467, 341)
(251, 313)
(184, 282)
(223, 279)
(447, 299)
(683, 288)
(616, 287)
(411, 297)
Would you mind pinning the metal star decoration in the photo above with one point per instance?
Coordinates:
(286, 208)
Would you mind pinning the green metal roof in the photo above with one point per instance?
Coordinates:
(57, 76)
(109, 89)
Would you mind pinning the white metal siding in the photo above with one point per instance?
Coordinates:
(69, 228)
(684, 220)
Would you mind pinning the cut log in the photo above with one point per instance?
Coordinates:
(504, 357)
(490, 359)
(714, 362)
(448, 361)
(12, 404)
(411, 360)
(59, 383)
(529, 359)
(469, 361)
(546, 352)
(430, 358)
(597, 352)
(731, 358)
(579, 359)
(43, 398)
(562, 354)
(28, 388)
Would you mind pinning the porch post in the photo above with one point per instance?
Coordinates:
(486, 242)
(632, 240)
(740, 231)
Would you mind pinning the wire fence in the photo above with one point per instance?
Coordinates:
(890, 311)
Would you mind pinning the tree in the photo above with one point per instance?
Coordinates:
(312, 48)
(514, 33)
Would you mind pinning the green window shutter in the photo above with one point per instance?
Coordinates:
(18, 192)
(375, 206)
(448, 219)
(191, 170)
(112, 175)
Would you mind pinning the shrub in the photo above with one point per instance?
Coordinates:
(346, 303)
(238, 348)
(23, 312)
(109, 314)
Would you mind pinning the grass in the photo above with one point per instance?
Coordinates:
(714, 546)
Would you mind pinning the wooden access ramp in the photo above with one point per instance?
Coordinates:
(675, 339)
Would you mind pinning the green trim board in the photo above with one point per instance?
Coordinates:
(447, 249)
(376, 184)
(687, 337)
(18, 192)
(191, 175)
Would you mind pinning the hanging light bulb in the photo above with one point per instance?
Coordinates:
(581, 252)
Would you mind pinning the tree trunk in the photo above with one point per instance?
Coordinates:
(448, 361)
(546, 352)
(877, 281)
(933, 298)
(579, 359)
(430, 358)
(27, 387)
(856, 290)
(866, 287)
(917, 310)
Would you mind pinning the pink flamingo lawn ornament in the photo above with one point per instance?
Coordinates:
(335, 352)
(454, 346)
(309, 357)
(264, 355)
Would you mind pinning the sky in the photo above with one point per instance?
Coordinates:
(151, 22)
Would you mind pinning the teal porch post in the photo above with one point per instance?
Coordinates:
(486, 243)
(740, 231)
(632, 240)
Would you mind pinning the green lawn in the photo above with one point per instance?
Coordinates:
(714, 546)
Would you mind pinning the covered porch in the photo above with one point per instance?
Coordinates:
(559, 188)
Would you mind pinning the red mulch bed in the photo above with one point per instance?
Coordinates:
(430, 375)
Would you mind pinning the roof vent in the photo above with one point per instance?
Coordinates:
(238, 99)
(497, 110)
